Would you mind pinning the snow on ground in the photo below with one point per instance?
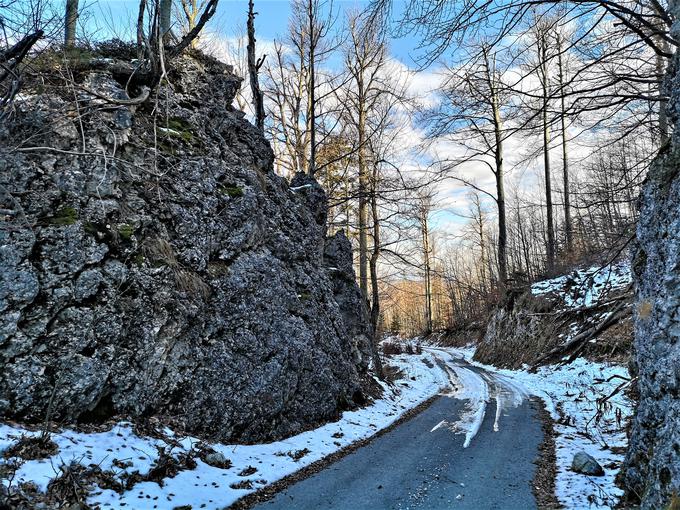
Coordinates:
(584, 287)
(121, 451)
(570, 393)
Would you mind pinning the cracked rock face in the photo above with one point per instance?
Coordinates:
(653, 461)
(652, 472)
(151, 263)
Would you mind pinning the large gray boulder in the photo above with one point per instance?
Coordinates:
(151, 263)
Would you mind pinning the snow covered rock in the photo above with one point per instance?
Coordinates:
(586, 465)
(154, 265)
(217, 459)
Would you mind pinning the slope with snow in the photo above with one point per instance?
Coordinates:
(585, 287)
(123, 452)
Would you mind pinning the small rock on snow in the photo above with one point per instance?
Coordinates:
(587, 465)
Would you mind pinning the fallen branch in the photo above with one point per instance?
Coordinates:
(580, 340)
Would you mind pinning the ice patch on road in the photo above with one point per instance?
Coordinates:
(477, 388)
(472, 388)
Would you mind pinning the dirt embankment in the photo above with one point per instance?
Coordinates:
(533, 328)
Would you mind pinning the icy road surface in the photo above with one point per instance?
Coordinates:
(473, 448)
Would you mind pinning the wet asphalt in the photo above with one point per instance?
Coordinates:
(413, 466)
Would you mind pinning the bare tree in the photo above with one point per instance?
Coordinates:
(541, 35)
(191, 9)
(471, 114)
(365, 60)
(318, 28)
(254, 65)
(423, 210)
(568, 227)
(297, 114)
(70, 22)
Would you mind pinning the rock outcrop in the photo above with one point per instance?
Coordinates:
(653, 462)
(152, 263)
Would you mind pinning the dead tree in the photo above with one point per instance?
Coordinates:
(254, 65)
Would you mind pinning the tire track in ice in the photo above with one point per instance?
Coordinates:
(477, 387)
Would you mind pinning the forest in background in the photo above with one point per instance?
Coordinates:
(515, 153)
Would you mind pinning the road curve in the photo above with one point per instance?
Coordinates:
(473, 448)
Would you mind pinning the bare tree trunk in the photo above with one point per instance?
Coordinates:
(568, 228)
(550, 245)
(140, 29)
(502, 223)
(165, 12)
(428, 270)
(253, 69)
(70, 22)
(663, 117)
(375, 296)
(500, 187)
(312, 87)
(363, 203)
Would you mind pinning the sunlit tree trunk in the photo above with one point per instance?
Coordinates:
(545, 86)
(565, 156)
(375, 295)
(70, 22)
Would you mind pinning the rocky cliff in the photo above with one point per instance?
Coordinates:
(653, 461)
(152, 264)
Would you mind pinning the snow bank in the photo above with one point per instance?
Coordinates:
(584, 287)
(121, 451)
(570, 393)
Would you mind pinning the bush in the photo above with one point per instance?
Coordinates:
(392, 348)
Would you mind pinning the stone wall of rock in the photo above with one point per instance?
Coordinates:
(152, 264)
(653, 461)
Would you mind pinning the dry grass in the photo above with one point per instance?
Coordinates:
(546, 464)
(392, 373)
(191, 283)
(160, 251)
(32, 447)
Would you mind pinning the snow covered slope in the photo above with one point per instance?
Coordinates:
(585, 287)
(128, 457)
